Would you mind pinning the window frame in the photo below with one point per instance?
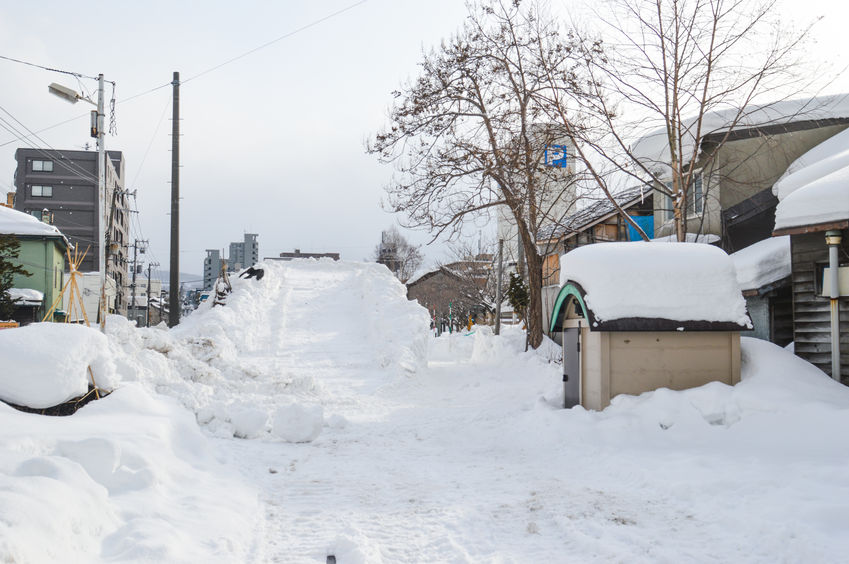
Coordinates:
(42, 163)
(691, 208)
(41, 190)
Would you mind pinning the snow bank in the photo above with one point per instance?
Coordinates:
(127, 478)
(45, 364)
(763, 263)
(234, 365)
(678, 281)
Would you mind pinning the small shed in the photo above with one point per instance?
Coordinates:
(640, 316)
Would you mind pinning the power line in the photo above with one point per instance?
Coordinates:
(78, 75)
(25, 138)
(289, 34)
(246, 53)
(74, 168)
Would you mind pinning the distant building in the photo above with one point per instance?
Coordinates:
(211, 268)
(555, 192)
(147, 303)
(65, 183)
(242, 255)
(299, 255)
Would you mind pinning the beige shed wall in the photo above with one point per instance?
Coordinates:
(614, 363)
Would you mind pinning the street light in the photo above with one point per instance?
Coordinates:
(97, 131)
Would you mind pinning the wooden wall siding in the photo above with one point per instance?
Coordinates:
(811, 312)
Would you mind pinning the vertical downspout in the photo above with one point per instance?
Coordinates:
(833, 239)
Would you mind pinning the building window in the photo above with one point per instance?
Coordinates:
(42, 191)
(42, 166)
(667, 211)
(695, 196)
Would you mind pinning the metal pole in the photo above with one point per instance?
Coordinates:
(101, 201)
(498, 297)
(833, 239)
(174, 278)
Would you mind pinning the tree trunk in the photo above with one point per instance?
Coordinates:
(534, 313)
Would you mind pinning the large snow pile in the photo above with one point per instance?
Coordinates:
(762, 263)
(129, 478)
(677, 281)
(45, 364)
(235, 365)
(815, 188)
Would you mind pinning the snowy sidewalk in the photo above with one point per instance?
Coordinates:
(468, 463)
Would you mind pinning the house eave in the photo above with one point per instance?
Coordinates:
(813, 228)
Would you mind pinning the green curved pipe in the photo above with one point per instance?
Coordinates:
(567, 290)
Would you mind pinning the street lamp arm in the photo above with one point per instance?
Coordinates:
(67, 94)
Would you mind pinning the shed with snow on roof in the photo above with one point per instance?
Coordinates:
(640, 316)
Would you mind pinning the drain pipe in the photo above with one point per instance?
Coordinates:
(832, 239)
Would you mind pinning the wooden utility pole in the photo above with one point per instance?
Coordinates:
(174, 278)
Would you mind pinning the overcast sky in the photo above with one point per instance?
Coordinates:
(272, 143)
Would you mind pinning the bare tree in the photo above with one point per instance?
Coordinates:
(471, 133)
(687, 68)
(394, 251)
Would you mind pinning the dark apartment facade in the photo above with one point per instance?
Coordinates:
(65, 184)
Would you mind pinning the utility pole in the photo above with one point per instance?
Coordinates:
(101, 199)
(174, 278)
(147, 308)
(98, 132)
(498, 297)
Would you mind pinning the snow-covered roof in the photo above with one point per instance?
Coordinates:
(14, 222)
(26, 296)
(763, 263)
(815, 188)
(653, 148)
(597, 210)
(707, 238)
(676, 281)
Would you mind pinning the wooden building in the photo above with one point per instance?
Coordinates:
(814, 210)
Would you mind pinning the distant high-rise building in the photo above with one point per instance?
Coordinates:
(242, 255)
(211, 267)
(65, 183)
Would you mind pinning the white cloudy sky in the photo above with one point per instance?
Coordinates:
(273, 142)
